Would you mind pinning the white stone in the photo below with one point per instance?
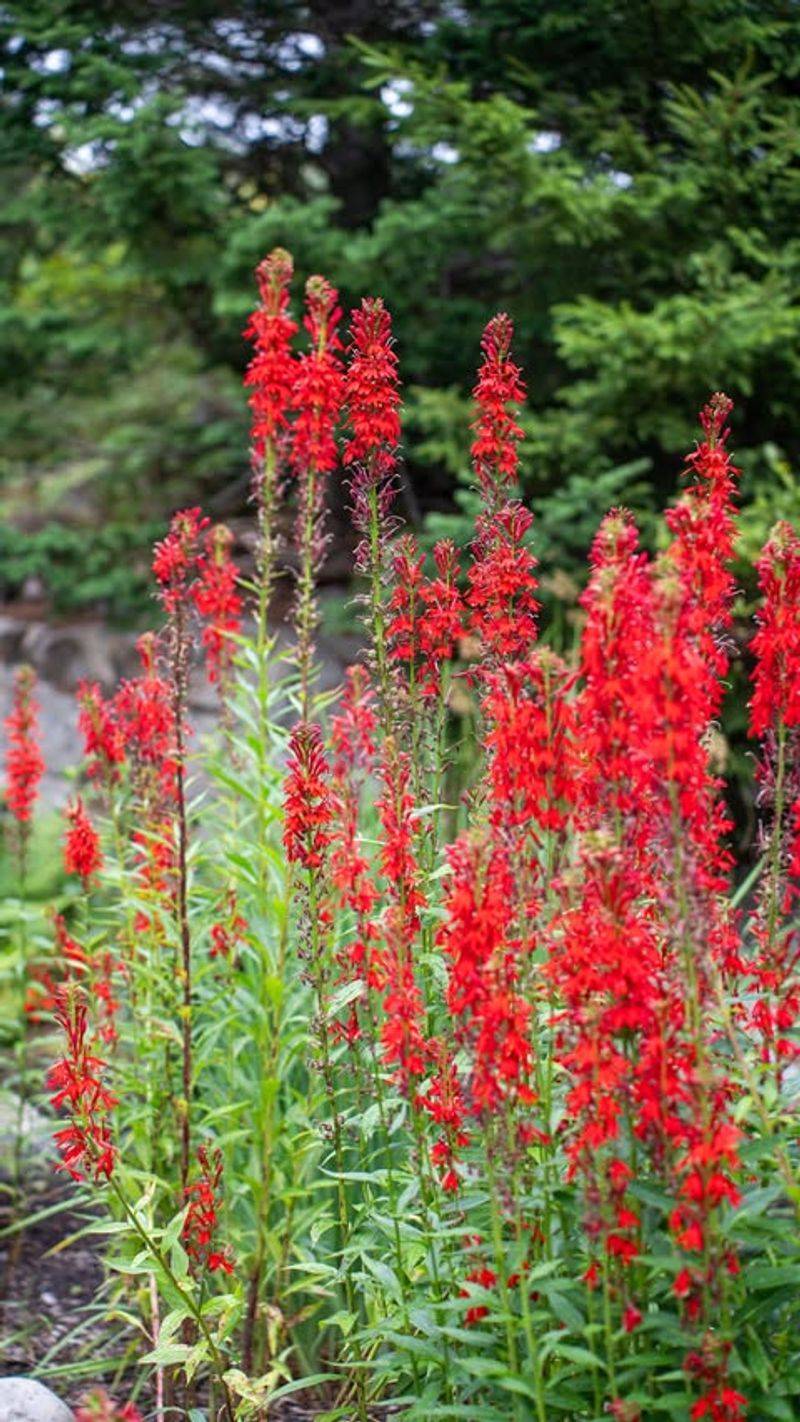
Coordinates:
(25, 1400)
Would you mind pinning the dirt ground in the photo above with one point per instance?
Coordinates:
(51, 1316)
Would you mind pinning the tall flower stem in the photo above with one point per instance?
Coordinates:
(189, 1303)
(179, 655)
(377, 612)
(496, 1220)
(317, 950)
(305, 619)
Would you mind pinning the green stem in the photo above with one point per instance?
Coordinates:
(185, 1297)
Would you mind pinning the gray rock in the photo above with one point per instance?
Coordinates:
(35, 1130)
(25, 1400)
(65, 655)
(12, 632)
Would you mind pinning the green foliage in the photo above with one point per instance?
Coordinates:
(82, 568)
(621, 177)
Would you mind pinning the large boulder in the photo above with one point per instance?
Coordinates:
(26, 1400)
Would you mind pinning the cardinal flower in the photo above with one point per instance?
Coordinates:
(82, 852)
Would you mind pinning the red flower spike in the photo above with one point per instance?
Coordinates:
(497, 434)
(318, 383)
(82, 852)
(143, 711)
(493, 1016)
(426, 615)
(776, 644)
(24, 761)
(502, 584)
(76, 1083)
(271, 372)
(202, 1216)
(372, 395)
(218, 602)
(175, 558)
(403, 1031)
(372, 405)
(307, 798)
(103, 737)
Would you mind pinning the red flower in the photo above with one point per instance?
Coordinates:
(175, 558)
(721, 1404)
(271, 371)
(76, 1083)
(502, 584)
(403, 1031)
(353, 724)
(202, 1216)
(493, 1016)
(82, 852)
(318, 383)
(530, 743)
(615, 719)
(307, 798)
(24, 762)
(371, 390)
(425, 615)
(143, 711)
(230, 928)
(776, 644)
(97, 1406)
(103, 738)
(487, 1279)
(500, 385)
(218, 602)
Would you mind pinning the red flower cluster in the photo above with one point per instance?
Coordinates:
(372, 405)
(76, 1083)
(372, 396)
(774, 969)
(776, 644)
(143, 711)
(202, 1216)
(425, 614)
(617, 776)
(24, 762)
(136, 726)
(175, 557)
(219, 602)
(500, 385)
(530, 743)
(95, 971)
(82, 852)
(502, 583)
(708, 1366)
(307, 800)
(403, 1031)
(229, 930)
(318, 382)
(484, 992)
(97, 1406)
(271, 371)
(103, 736)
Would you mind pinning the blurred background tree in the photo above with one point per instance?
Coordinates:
(624, 178)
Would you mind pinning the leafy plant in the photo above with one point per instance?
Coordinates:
(417, 1053)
